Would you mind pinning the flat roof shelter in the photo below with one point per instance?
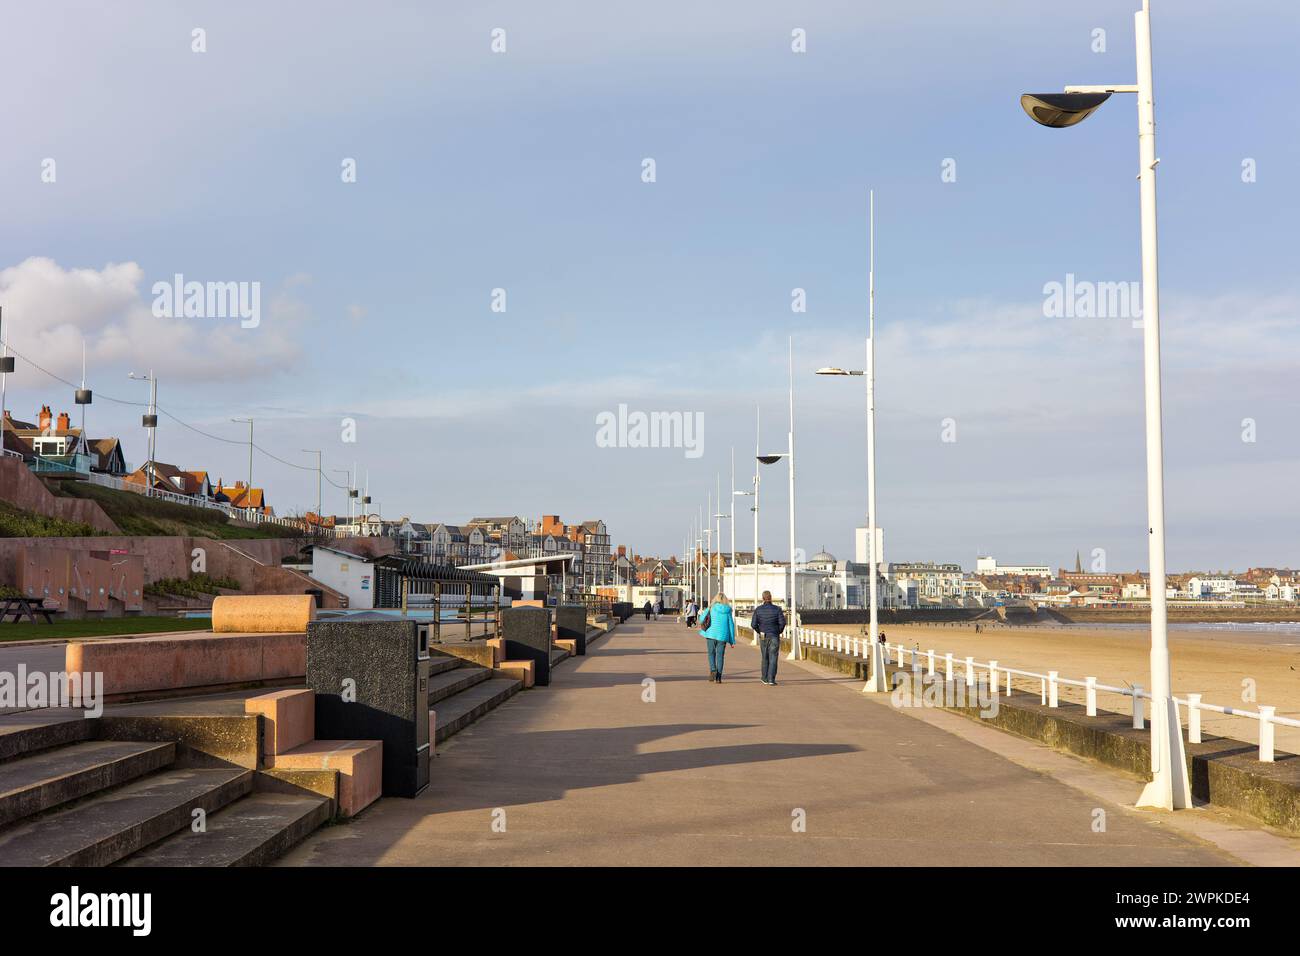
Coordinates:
(529, 578)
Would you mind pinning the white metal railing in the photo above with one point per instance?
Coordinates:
(250, 515)
(1049, 684)
(6, 453)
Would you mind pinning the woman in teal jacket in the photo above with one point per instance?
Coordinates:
(721, 631)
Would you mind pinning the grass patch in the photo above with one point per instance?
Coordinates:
(16, 523)
(140, 515)
(192, 586)
(104, 627)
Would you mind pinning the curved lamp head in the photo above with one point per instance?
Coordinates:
(831, 371)
(769, 459)
(1058, 110)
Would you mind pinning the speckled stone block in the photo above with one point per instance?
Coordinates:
(571, 625)
(372, 683)
(527, 632)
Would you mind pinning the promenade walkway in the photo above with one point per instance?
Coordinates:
(587, 772)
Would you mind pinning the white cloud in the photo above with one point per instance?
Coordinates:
(50, 310)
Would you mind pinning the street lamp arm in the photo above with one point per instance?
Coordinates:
(1112, 88)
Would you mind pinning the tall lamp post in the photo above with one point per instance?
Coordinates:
(876, 680)
(758, 441)
(150, 422)
(347, 490)
(320, 519)
(735, 568)
(248, 499)
(6, 365)
(1169, 788)
(792, 601)
(717, 537)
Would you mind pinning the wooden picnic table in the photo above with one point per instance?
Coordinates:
(20, 606)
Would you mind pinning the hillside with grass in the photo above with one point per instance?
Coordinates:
(17, 523)
(140, 515)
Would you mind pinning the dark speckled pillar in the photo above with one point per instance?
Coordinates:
(571, 625)
(388, 664)
(527, 631)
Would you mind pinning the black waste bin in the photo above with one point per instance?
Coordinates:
(371, 680)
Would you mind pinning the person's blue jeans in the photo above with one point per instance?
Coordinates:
(769, 649)
(717, 650)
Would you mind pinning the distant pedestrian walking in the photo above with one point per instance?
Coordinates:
(768, 622)
(659, 609)
(648, 610)
(719, 630)
(692, 610)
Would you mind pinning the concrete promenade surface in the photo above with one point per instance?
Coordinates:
(587, 773)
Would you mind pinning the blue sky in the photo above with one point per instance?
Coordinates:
(522, 171)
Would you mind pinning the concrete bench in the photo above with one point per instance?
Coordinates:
(289, 743)
(288, 718)
(520, 671)
(359, 764)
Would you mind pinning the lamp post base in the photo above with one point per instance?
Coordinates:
(1169, 788)
(877, 683)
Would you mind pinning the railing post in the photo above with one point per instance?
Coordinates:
(1008, 681)
(947, 660)
(1266, 727)
(1194, 718)
(993, 677)
(1053, 691)
(930, 660)
(1137, 707)
(1092, 695)
(970, 672)
(1042, 690)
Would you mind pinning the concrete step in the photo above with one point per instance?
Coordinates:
(31, 731)
(452, 682)
(440, 663)
(253, 831)
(458, 712)
(45, 780)
(558, 654)
(105, 828)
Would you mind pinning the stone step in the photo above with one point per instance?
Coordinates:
(253, 831)
(31, 731)
(558, 654)
(105, 828)
(45, 780)
(452, 682)
(441, 663)
(458, 712)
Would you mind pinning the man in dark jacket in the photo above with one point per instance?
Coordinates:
(768, 622)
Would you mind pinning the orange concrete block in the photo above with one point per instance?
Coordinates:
(172, 662)
(360, 765)
(288, 719)
(519, 670)
(498, 645)
(263, 613)
(567, 644)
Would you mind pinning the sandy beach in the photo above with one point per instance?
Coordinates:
(1213, 663)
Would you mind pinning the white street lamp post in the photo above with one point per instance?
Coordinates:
(1169, 788)
(876, 680)
(792, 601)
(150, 424)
